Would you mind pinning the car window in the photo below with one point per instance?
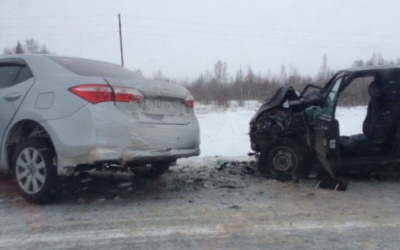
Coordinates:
(328, 107)
(356, 92)
(86, 67)
(7, 75)
(24, 74)
(391, 86)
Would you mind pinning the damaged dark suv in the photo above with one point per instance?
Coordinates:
(294, 133)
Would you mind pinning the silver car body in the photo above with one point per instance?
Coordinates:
(86, 133)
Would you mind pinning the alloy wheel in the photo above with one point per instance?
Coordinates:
(30, 170)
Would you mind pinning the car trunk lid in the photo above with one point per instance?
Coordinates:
(162, 103)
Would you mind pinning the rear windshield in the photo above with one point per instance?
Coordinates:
(86, 67)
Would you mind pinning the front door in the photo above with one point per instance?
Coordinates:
(326, 128)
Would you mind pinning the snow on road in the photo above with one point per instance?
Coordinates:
(225, 132)
(200, 205)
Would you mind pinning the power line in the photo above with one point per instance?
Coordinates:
(184, 30)
(56, 26)
(245, 42)
(258, 28)
(53, 17)
(255, 36)
(201, 23)
(184, 37)
(57, 34)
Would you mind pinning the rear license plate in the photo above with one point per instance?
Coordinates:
(162, 107)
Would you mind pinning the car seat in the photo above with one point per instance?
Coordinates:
(380, 124)
(374, 111)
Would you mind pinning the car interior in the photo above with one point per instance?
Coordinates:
(381, 122)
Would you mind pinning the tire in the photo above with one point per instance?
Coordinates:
(152, 170)
(34, 170)
(284, 157)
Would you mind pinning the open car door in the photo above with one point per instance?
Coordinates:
(325, 127)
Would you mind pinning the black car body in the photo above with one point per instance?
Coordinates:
(295, 133)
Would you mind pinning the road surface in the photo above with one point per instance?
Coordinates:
(199, 205)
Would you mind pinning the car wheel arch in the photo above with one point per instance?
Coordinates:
(22, 130)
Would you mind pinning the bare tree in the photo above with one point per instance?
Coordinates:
(221, 72)
(249, 80)
(44, 50)
(224, 76)
(138, 72)
(32, 46)
(283, 75)
(324, 73)
(159, 76)
(358, 63)
(7, 51)
(239, 82)
(19, 49)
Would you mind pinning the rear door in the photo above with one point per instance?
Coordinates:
(15, 81)
(326, 128)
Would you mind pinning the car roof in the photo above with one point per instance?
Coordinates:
(40, 63)
(22, 56)
(372, 68)
(27, 56)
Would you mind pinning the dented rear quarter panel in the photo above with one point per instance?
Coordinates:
(102, 132)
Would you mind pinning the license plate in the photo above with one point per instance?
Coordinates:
(162, 107)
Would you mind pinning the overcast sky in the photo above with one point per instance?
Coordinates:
(183, 38)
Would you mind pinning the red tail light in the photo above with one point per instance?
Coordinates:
(93, 93)
(97, 93)
(189, 101)
(123, 94)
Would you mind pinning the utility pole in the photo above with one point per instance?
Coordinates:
(120, 41)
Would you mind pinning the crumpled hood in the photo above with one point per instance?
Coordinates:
(279, 98)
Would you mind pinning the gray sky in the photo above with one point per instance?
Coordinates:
(184, 38)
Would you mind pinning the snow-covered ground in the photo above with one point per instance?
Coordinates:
(351, 119)
(199, 204)
(224, 132)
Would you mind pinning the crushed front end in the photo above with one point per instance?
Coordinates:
(279, 117)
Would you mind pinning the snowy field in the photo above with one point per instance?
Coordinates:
(224, 132)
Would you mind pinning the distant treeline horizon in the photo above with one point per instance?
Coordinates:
(218, 87)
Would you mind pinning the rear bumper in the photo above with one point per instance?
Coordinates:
(149, 156)
(102, 133)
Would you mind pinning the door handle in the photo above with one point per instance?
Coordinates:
(12, 97)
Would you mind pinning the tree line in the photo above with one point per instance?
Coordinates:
(219, 88)
(31, 46)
